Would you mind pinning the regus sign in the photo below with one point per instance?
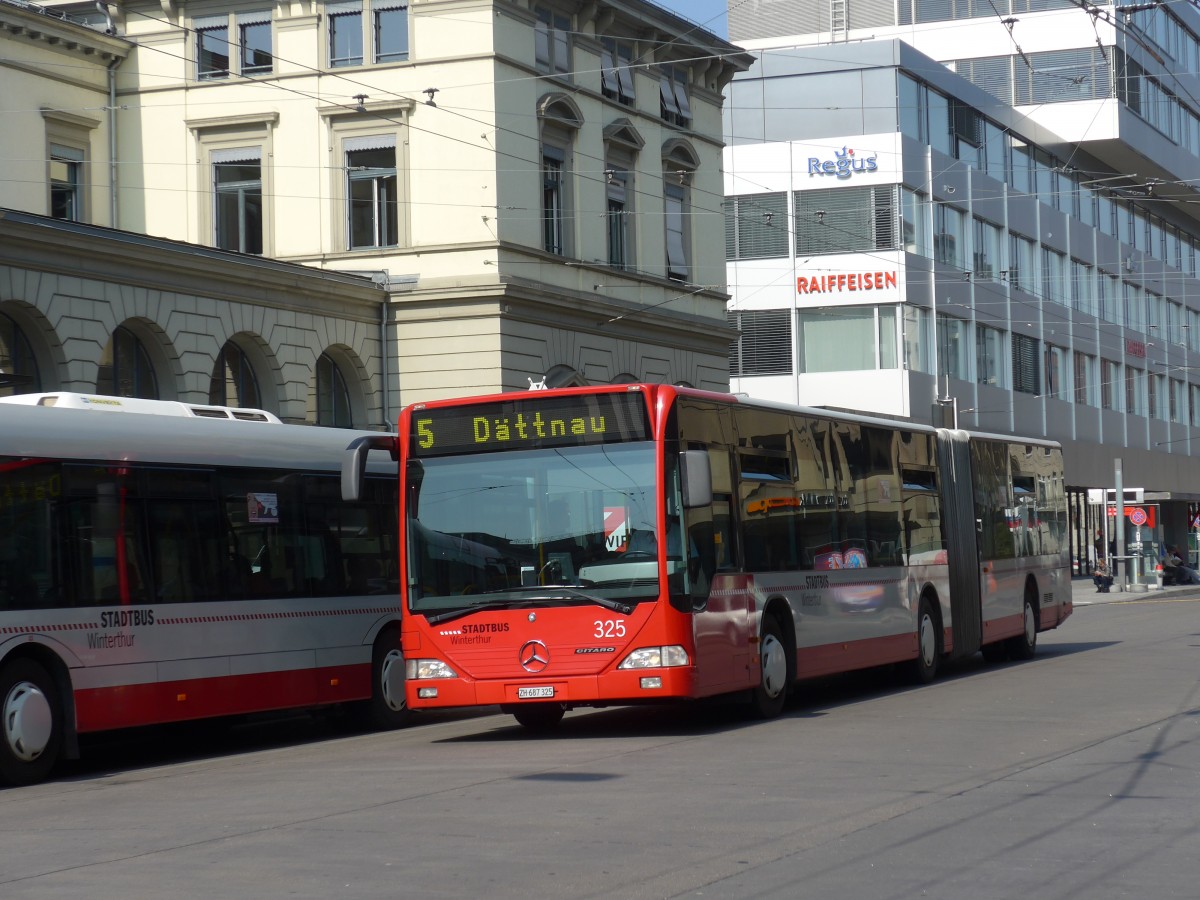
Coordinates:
(843, 164)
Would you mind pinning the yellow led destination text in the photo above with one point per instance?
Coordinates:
(487, 431)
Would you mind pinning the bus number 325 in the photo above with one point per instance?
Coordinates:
(609, 628)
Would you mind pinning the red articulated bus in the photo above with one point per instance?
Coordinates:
(632, 543)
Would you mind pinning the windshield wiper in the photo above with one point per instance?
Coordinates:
(547, 594)
(566, 592)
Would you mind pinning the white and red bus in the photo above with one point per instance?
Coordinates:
(173, 566)
(632, 543)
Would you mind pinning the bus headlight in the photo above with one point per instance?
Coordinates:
(655, 658)
(420, 669)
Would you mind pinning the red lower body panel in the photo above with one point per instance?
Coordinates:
(127, 706)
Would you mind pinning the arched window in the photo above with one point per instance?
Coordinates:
(679, 166)
(559, 119)
(233, 382)
(333, 397)
(18, 368)
(125, 368)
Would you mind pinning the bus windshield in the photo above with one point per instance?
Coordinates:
(510, 528)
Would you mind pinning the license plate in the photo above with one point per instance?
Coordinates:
(535, 693)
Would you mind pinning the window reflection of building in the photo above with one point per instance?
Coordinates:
(233, 382)
(333, 397)
(18, 367)
(125, 368)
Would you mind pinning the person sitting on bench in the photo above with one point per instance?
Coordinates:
(1101, 577)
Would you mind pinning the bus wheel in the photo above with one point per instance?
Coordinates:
(924, 668)
(538, 716)
(1024, 645)
(771, 694)
(388, 707)
(32, 723)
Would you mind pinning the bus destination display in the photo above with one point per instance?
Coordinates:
(529, 423)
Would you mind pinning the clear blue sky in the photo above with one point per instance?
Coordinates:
(712, 14)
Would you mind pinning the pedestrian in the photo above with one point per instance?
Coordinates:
(1101, 577)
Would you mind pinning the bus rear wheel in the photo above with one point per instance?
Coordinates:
(32, 723)
(771, 693)
(1024, 645)
(923, 669)
(538, 716)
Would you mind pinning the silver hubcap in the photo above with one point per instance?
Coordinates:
(774, 666)
(391, 680)
(1030, 625)
(28, 721)
(928, 640)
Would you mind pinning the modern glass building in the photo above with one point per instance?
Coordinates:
(1023, 259)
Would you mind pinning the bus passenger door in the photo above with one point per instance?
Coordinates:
(722, 622)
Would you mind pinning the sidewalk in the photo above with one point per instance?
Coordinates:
(1084, 593)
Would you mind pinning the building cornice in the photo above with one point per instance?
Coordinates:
(61, 35)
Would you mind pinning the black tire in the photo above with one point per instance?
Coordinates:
(1024, 645)
(923, 669)
(388, 707)
(539, 716)
(995, 653)
(771, 693)
(31, 728)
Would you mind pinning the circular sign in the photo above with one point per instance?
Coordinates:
(1138, 516)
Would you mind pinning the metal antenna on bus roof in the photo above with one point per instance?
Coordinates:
(538, 385)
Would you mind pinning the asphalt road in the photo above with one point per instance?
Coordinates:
(1076, 774)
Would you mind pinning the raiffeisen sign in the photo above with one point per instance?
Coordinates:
(844, 164)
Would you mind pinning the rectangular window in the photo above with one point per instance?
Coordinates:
(987, 249)
(553, 212)
(1054, 266)
(953, 348)
(254, 42)
(616, 70)
(674, 208)
(1135, 391)
(1135, 307)
(847, 338)
(618, 219)
(1110, 309)
(238, 200)
(1057, 373)
(916, 339)
(1178, 401)
(845, 220)
(388, 34)
(916, 224)
(390, 30)
(552, 41)
(1086, 393)
(756, 226)
(989, 356)
(372, 192)
(764, 346)
(1083, 288)
(949, 235)
(212, 46)
(66, 194)
(345, 33)
(1026, 371)
(1110, 385)
(674, 105)
(940, 132)
(1021, 272)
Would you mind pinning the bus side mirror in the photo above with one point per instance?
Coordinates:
(695, 473)
(354, 462)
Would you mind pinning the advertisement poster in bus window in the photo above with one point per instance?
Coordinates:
(616, 529)
(263, 508)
